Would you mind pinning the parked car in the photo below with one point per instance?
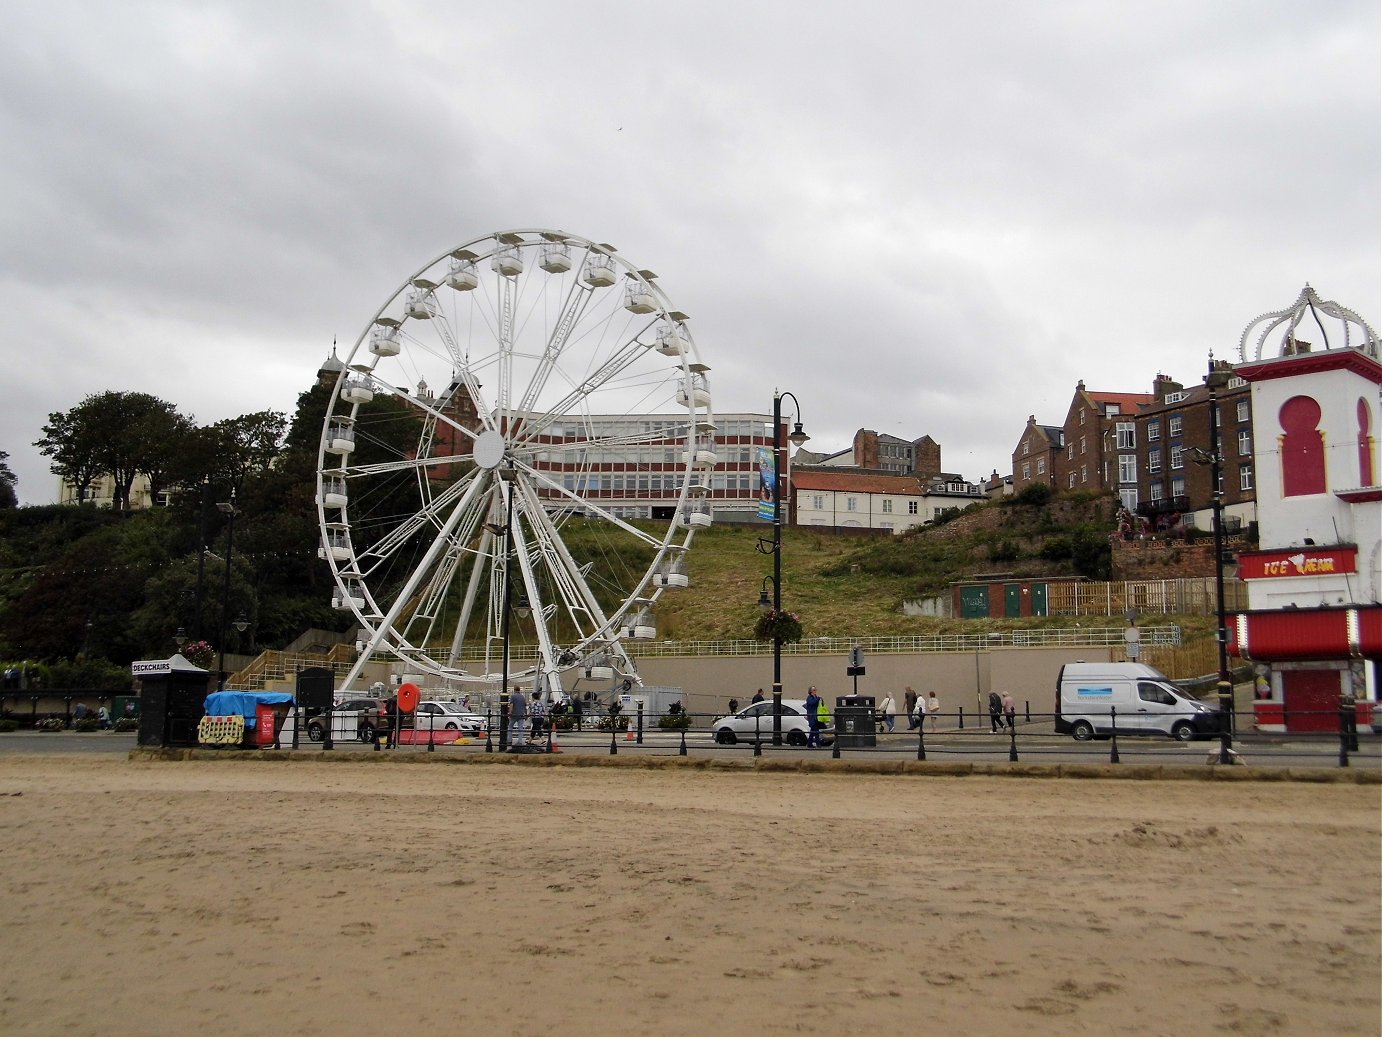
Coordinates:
(447, 716)
(755, 723)
(352, 718)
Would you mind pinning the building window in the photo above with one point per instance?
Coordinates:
(1153, 430)
(818, 502)
(1127, 437)
(1178, 486)
(1081, 415)
(887, 506)
(1244, 410)
(1173, 425)
(1154, 459)
(1026, 471)
(1157, 490)
(1026, 447)
(1128, 498)
(1245, 477)
(1177, 456)
(1244, 443)
(1070, 452)
(851, 504)
(911, 507)
(1041, 466)
(1084, 474)
(1072, 480)
(1082, 444)
(1127, 468)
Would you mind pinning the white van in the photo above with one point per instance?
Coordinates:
(1097, 698)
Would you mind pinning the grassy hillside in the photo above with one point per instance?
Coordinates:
(845, 585)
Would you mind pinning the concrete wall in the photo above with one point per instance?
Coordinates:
(960, 680)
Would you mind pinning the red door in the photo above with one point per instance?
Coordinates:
(1312, 699)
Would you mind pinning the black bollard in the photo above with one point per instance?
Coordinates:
(962, 718)
(758, 735)
(375, 738)
(297, 723)
(682, 750)
(1113, 734)
(613, 741)
(640, 724)
(1027, 709)
(1012, 744)
(921, 740)
(327, 742)
(431, 731)
(1343, 736)
(489, 731)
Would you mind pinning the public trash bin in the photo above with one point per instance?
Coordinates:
(854, 722)
(268, 722)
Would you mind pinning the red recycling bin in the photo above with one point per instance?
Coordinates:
(265, 725)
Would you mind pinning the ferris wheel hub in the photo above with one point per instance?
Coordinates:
(489, 449)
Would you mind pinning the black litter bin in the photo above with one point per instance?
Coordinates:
(854, 722)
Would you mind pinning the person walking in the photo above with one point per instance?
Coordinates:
(933, 709)
(518, 719)
(911, 699)
(995, 713)
(576, 712)
(813, 718)
(886, 711)
(758, 696)
(733, 706)
(1010, 711)
(538, 711)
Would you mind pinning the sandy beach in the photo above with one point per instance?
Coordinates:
(237, 897)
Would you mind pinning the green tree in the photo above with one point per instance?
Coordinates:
(120, 434)
(8, 499)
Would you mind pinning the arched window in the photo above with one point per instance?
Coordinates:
(1367, 469)
(1302, 447)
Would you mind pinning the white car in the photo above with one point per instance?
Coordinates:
(754, 723)
(447, 716)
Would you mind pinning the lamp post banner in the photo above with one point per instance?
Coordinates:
(767, 483)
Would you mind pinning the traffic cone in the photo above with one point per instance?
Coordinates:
(628, 734)
(553, 747)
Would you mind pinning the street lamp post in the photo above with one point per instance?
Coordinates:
(797, 438)
(228, 509)
(1216, 379)
(505, 532)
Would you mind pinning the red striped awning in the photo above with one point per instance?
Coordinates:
(1370, 631)
(1291, 634)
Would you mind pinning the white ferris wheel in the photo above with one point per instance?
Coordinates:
(514, 462)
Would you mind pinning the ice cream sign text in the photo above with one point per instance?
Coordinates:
(1263, 565)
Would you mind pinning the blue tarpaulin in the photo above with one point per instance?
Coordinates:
(229, 703)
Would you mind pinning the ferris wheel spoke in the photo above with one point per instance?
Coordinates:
(579, 295)
(583, 609)
(598, 379)
(542, 479)
(434, 595)
(404, 532)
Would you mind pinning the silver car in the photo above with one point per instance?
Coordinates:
(754, 723)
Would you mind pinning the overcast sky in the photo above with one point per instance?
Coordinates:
(922, 218)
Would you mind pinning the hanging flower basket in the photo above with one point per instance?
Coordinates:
(198, 653)
(782, 627)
